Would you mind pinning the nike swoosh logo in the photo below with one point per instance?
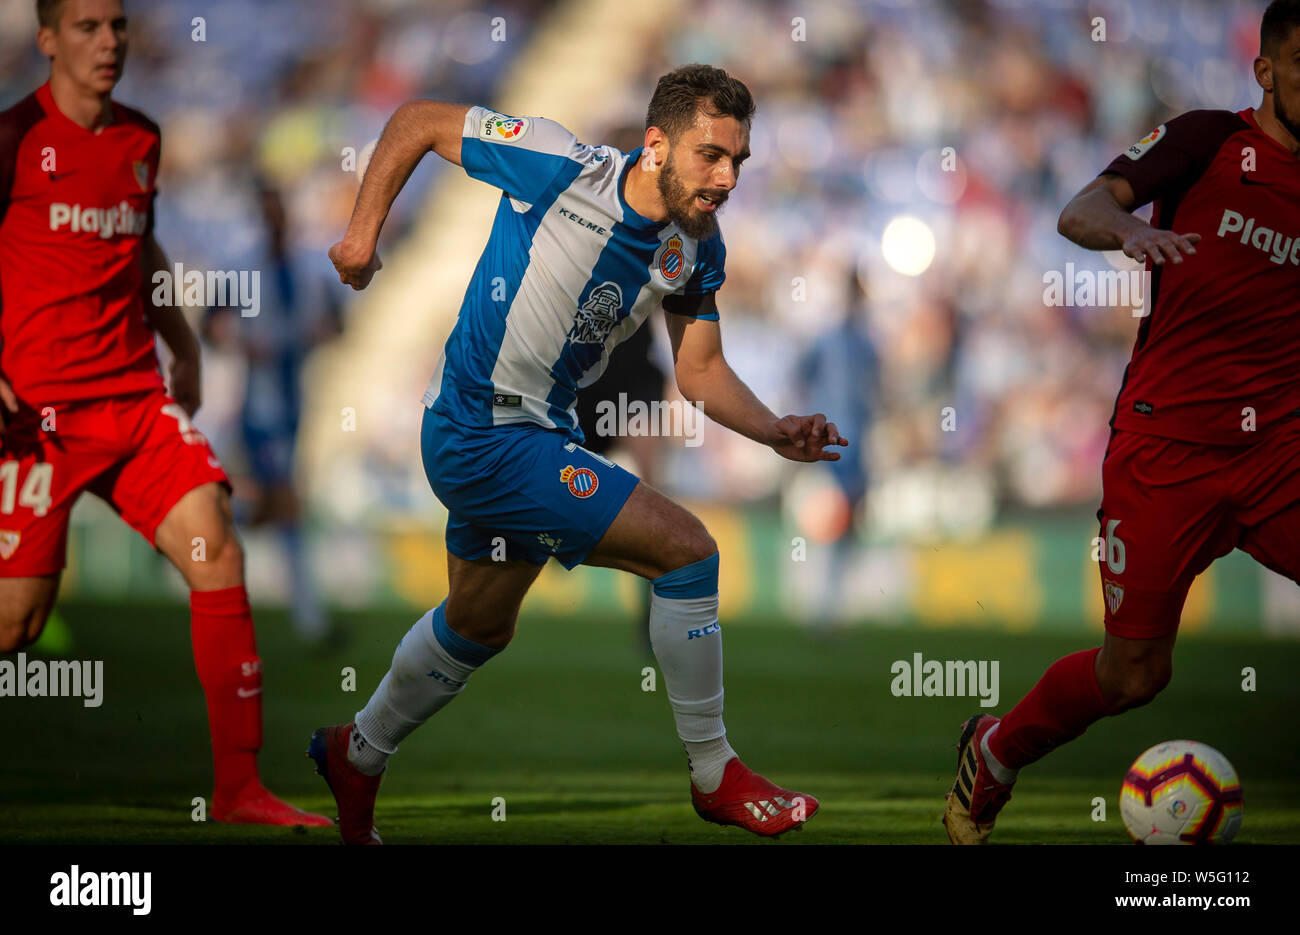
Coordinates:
(60, 176)
(246, 693)
(1247, 180)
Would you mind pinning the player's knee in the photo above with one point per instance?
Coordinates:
(13, 635)
(230, 552)
(1136, 685)
(20, 625)
(692, 544)
(498, 637)
(216, 560)
(483, 624)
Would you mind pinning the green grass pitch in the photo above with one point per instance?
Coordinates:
(558, 726)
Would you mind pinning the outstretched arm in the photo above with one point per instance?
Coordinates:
(1100, 218)
(414, 129)
(704, 377)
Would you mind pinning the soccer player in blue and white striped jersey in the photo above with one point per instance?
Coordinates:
(586, 243)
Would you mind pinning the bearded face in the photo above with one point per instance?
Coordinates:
(693, 210)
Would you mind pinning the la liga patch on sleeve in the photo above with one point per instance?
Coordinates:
(1139, 149)
(499, 128)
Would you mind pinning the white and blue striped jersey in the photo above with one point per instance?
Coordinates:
(569, 271)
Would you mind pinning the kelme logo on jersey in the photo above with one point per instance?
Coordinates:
(582, 482)
(1139, 149)
(671, 260)
(598, 315)
(106, 222)
(1114, 595)
(502, 129)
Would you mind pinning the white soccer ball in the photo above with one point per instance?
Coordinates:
(1181, 792)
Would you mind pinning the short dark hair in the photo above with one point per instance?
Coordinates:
(1280, 18)
(688, 88)
(48, 12)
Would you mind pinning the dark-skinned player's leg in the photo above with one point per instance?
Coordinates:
(1163, 520)
(25, 605)
(655, 538)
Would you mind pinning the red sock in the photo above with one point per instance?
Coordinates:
(1066, 700)
(225, 655)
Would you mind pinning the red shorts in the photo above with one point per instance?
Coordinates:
(1170, 508)
(139, 453)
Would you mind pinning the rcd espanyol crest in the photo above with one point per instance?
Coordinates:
(598, 315)
(670, 259)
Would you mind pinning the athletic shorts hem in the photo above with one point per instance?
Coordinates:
(175, 497)
(474, 555)
(603, 526)
(39, 571)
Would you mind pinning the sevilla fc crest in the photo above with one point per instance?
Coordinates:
(9, 542)
(141, 172)
(1114, 595)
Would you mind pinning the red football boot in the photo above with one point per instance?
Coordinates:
(976, 797)
(256, 805)
(353, 790)
(749, 801)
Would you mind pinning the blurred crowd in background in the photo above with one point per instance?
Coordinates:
(976, 119)
(850, 134)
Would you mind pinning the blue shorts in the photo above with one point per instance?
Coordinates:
(524, 484)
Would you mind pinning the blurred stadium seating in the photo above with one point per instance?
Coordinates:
(851, 133)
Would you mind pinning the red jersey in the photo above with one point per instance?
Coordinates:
(74, 208)
(1219, 350)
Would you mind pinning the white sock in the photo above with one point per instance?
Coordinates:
(687, 641)
(707, 760)
(370, 760)
(431, 665)
(1000, 772)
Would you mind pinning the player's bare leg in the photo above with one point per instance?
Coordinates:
(1131, 673)
(647, 453)
(657, 539)
(652, 536)
(484, 598)
(431, 665)
(25, 605)
(198, 536)
(1074, 693)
